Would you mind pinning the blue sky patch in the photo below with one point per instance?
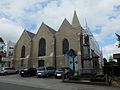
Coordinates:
(98, 29)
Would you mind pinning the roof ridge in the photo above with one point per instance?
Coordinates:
(30, 34)
(50, 29)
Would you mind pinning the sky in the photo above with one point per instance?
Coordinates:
(102, 16)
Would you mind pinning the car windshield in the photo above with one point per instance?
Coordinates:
(60, 69)
(41, 69)
(5, 68)
(25, 69)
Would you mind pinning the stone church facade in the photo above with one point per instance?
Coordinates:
(61, 48)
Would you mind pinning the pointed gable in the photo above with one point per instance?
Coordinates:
(42, 26)
(65, 24)
(25, 35)
(23, 40)
(75, 21)
(46, 27)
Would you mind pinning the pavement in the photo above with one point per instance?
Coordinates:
(50, 83)
(9, 86)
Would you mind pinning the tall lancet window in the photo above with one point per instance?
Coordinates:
(65, 46)
(23, 49)
(23, 52)
(42, 47)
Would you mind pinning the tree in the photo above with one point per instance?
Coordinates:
(111, 61)
(105, 61)
(118, 38)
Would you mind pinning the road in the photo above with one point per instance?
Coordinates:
(8, 86)
(46, 83)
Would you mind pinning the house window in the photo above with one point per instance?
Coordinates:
(23, 52)
(42, 47)
(65, 46)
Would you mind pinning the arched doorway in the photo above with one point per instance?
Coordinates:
(72, 59)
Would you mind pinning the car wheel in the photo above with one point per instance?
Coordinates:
(17, 72)
(47, 75)
(38, 76)
(22, 75)
(5, 73)
(2, 74)
(29, 75)
(56, 77)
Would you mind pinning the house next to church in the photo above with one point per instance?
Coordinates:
(71, 46)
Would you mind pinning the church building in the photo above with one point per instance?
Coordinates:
(70, 46)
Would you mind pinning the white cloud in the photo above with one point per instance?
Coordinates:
(109, 29)
(109, 50)
(9, 30)
(96, 12)
(52, 12)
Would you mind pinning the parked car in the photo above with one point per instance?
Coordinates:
(60, 71)
(28, 72)
(8, 70)
(46, 71)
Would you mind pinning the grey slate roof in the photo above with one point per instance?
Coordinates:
(31, 35)
(50, 29)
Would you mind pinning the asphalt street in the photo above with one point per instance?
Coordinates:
(8, 86)
(15, 82)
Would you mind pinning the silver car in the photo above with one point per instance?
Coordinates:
(8, 70)
(46, 71)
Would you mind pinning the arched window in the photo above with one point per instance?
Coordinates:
(23, 52)
(42, 47)
(65, 46)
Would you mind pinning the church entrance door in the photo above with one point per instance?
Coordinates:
(72, 59)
